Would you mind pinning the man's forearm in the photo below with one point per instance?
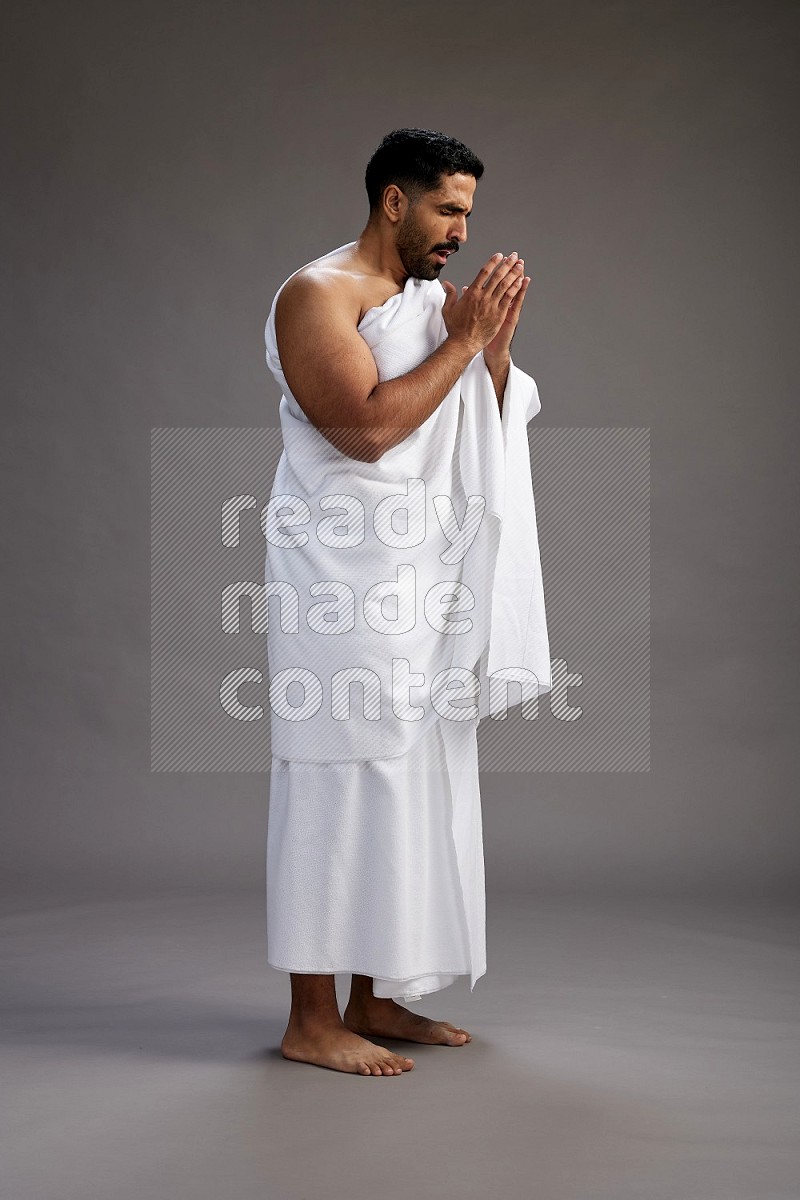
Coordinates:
(498, 369)
(399, 406)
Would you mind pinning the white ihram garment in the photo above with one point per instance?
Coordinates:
(374, 845)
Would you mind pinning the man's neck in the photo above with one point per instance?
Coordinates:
(378, 256)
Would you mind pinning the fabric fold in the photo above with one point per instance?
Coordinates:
(375, 852)
(395, 579)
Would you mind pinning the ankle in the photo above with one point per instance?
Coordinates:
(311, 1021)
(361, 987)
(365, 1001)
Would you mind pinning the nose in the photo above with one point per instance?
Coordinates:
(458, 231)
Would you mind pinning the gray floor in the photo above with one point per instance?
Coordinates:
(634, 1049)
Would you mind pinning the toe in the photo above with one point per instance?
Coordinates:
(458, 1030)
(453, 1036)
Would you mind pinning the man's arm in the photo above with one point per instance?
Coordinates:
(498, 368)
(332, 373)
(497, 354)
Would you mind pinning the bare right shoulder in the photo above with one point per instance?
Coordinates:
(327, 364)
(317, 285)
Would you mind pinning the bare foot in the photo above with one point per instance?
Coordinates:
(335, 1046)
(376, 1017)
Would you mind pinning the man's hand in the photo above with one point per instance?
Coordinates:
(499, 348)
(479, 318)
(332, 373)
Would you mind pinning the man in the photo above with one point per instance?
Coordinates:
(374, 854)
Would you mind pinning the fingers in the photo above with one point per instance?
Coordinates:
(486, 270)
(511, 293)
(502, 266)
(520, 296)
(514, 307)
(508, 273)
(451, 296)
(494, 298)
(513, 314)
(507, 302)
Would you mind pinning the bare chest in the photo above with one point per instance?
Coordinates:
(372, 295)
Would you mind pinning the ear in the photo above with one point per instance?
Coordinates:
(394, 202)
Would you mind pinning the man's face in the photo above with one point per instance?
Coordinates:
(435, 226)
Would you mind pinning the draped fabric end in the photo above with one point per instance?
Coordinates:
(370, 682)
(396, 590)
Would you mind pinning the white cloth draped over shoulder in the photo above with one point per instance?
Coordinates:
(369, 558)
(374, 849)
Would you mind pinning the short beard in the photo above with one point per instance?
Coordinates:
(413, 250)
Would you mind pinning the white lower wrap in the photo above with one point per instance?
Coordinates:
(374, 849)
(377, 867)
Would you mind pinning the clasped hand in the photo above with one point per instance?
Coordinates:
(485, 316)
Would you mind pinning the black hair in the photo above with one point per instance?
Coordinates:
(415, 159)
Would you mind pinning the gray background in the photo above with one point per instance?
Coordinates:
(169, 165)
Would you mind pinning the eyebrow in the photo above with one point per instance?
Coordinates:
(455, 207)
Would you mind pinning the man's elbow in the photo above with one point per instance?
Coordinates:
(374, 449)
(362, 445)
(371, 441)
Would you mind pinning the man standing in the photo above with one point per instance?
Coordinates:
(395, 389)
